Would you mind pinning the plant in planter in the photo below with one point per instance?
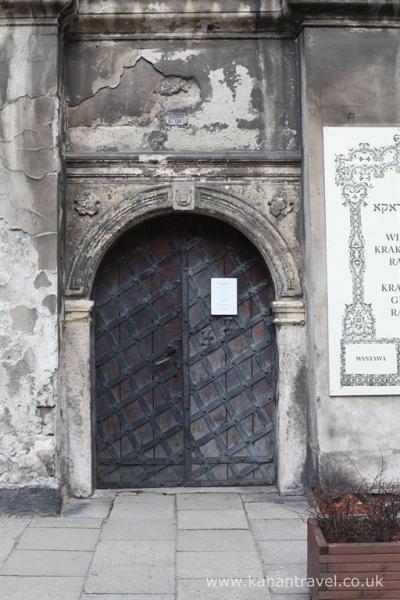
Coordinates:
(354, 540)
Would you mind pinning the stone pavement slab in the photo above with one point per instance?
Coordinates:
(277, 552)
(126, 578)
(46, 563)
(75, 523)
(59, 539)
(117, 529)
(92, 508)
(191, 565)
(110, 494)
(281, 574)
(207, 500)
(201, 490)
(128, 597)
(40, 588)
(12, 527)
(132, 567)
(286, 596)
(153, 544)
(110, 554)
(279, 529)
(197, 589)
(139, 510)
(301, 508)
(217, 540)
(265, 510)
(212, 519)
(6, 545)
(161, 499)
(261, 497)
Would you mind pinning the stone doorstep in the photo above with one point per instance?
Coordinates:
(198, 490)
(209, 501)
(212, 519)
(100, 494)
(134, 499)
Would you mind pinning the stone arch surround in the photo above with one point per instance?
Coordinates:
(288, 309)
(208, 201)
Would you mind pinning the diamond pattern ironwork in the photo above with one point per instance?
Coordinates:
(183, 397)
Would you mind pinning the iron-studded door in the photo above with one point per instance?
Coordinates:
(183, 397)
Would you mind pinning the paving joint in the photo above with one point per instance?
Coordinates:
(162, 546)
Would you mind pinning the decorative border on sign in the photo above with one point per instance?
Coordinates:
(373, 380)
(355, 175)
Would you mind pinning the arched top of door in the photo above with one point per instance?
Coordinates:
(156, 201)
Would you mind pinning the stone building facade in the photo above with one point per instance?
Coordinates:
(115, 112)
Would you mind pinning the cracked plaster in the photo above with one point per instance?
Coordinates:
(29, 165)
(115, 100)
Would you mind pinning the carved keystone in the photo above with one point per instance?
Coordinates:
(183, 195)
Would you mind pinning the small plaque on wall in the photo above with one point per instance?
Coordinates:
(224, 296)
(362, 182)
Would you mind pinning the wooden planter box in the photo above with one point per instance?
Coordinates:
(337, 562)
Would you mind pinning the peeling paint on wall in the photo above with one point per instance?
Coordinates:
(28, 268)
(119, 99)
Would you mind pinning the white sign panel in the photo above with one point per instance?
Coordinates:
(362, 201)
(223, 296)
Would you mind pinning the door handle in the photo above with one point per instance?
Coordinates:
(163, 361)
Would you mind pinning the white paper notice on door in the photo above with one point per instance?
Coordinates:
(224, 296)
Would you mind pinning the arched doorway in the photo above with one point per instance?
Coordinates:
(183, 397)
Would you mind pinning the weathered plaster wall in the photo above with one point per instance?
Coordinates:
(29, 166)
(350, 76)
(233, 94)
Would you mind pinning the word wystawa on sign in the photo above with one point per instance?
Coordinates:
(362, 201)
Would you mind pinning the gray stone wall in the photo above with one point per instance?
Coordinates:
(350, 77)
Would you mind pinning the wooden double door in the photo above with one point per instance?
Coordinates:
(183, 397)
